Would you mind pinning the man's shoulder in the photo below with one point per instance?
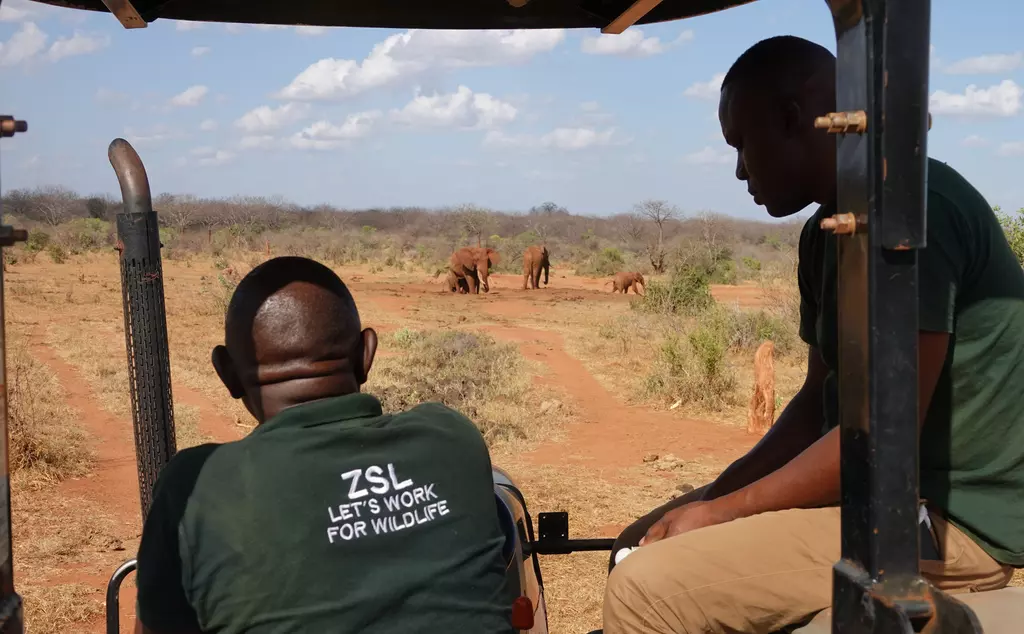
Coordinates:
(441, 417)
(950, 193)
(183, 469)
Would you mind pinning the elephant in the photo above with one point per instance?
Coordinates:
(456, 284)
(535, 259)
(472, 265)
(622, 282)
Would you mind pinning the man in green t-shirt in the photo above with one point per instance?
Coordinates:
(330, 516)
(753, 551)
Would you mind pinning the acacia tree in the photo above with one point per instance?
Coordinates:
(473, 221)
(659, 212)
(54, 204)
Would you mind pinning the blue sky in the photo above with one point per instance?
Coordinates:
(507, 120)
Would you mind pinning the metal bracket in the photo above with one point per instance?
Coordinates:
(630, 16)
(125, 13)
(9, 126)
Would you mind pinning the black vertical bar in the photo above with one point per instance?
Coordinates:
(881, 179)
(145, 322)
(11, 614)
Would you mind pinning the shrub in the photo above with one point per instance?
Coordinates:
(38, 240)
(57, 253)
(693, 370)
(1013, 227)
(484, 380)
(84, 234)
(688, 291)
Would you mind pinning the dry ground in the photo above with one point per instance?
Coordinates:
(584, 454)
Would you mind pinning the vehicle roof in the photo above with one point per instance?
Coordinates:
(405, 14)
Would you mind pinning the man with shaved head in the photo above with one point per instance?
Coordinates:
(331, 516)
(753, 551)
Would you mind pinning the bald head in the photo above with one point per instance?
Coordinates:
(292, 334)
(769, 100)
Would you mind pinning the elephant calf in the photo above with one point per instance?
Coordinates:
(622, 282)
(456, 284)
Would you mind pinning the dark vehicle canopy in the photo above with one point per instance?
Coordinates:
(611, 16)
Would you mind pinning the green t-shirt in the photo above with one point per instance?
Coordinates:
(970, 285)
(329, 517)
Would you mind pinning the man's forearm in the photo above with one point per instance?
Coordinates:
(796, 429)
(810, 480)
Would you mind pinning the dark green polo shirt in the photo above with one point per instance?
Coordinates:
(970, 285)
(329, 517)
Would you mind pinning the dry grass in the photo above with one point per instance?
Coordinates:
(489, 382)
(45, 443)
(54, 609)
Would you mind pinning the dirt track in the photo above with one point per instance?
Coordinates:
(610, 436)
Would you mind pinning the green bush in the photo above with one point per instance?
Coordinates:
(84, 234)
(693, 370)
(38, 240)
(57, 253)
(748, 329)
(687, 291)
(1013, 227)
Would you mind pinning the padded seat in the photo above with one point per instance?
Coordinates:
(999, 611)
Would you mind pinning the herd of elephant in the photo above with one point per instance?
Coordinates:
(469, 268)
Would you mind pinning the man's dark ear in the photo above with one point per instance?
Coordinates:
(225, 367)
(369, 349)
(792, 119)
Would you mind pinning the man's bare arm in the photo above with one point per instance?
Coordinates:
(797, 428)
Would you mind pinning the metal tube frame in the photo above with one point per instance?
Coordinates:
(882, 71)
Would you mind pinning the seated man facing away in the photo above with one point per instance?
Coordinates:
(753, 552)
(330, 516)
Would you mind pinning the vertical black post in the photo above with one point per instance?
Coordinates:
(11, 614)
(145, 322)
(882, 123)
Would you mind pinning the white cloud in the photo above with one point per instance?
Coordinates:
(211, 156)
(709, 90)
(77, 44)
(257, 142)
(154, 136)
(630, 43)
(208, 125)
(25, 44)
(710, 156)
(110, 97)
(986, 64)
(1001, 100)
(590, 106)
(558, 139)
(324, 135)
(267, 119)
(460, 109)
(190, 97)
(1011, 148)
(184, 25)
(199, 51)
(15, 11)
(403, 56)
(974, 140)
(311, 30)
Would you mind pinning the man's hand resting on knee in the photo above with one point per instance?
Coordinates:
(686, 518)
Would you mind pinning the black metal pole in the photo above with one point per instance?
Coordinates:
(145, 322)
(11, 613)
(114, 595)
(882, 122)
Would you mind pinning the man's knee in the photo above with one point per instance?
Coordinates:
(634, 600)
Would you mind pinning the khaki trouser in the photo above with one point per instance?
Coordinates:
(759, 574)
